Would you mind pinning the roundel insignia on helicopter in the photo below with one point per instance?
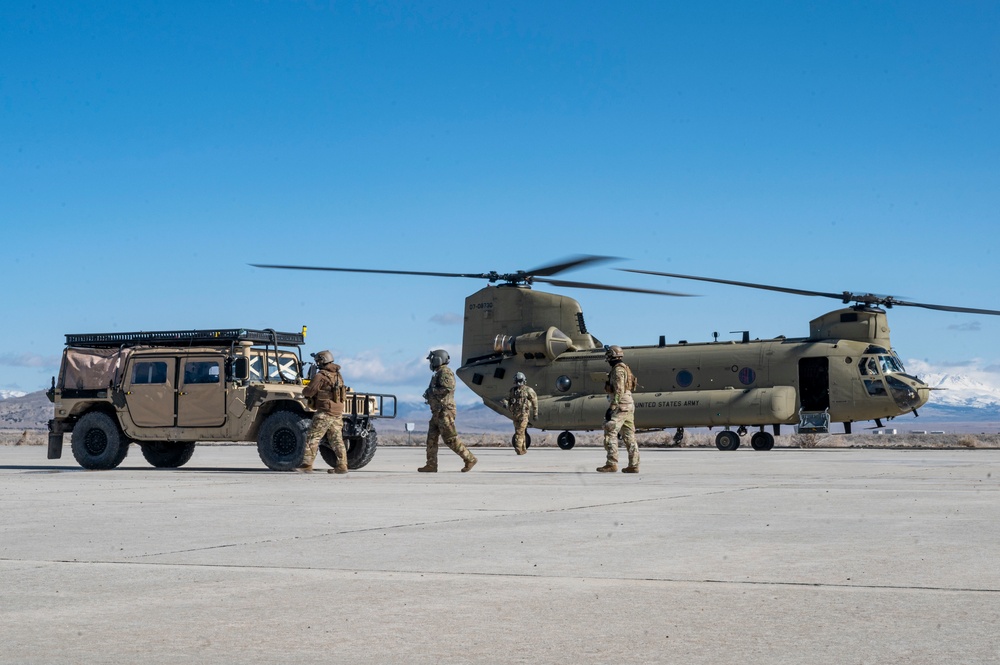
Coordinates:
(684, 378)
(747, 376)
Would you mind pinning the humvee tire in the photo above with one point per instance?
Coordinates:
(98, 443)
(360, 450)
(281, 441)
(167, 454)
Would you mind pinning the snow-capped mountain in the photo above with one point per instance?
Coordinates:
(7, 394)
(961, 390)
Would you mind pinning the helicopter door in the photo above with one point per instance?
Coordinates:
(814, 384)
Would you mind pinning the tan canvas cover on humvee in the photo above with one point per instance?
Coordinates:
(91, 369)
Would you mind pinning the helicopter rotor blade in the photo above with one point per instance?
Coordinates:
(570, 263)
(608, 287)
(381, 272)
(518, 277)
(845, 296)
(947, 308)
(801, 292)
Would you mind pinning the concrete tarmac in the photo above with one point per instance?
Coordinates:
(789, 556)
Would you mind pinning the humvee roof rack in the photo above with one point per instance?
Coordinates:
(185, 337)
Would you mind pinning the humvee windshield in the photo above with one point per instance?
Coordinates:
(284, 366)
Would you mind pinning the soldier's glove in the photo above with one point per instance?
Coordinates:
(607, 415)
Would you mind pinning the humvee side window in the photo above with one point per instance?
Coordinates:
(149, 372)
(201, 371)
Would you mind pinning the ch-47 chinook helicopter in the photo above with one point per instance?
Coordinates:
(845, 371)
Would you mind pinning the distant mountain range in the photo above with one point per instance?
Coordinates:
(961, 391)
(956, 399)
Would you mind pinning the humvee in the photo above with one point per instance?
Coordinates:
(168, 390)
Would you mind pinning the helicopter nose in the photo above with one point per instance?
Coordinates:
(923, 393)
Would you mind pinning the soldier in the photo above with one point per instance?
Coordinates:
(327, 393)
(440, 395)
(621, 416)
(522, 402)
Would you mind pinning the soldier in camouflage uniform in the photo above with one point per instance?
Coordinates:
(440, 395)
(522, 402)
(328, 393)
(621, 415)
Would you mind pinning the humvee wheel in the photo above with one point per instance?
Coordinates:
(281, 441)
(527, 441)
(566, 440)
(167, 454)
(97, 442)
(360, 450)
(727, 440)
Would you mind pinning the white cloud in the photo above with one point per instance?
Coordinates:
(447, 319)
(369, 368)
(972, 326)
(29, 360)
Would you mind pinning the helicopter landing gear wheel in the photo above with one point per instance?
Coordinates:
(527, 441)
(727, 440)
(762, 441)
(566, 440)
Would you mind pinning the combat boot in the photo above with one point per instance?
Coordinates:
(340, 468)
(631, 468)
(428, 468)
(305, 468)
(469, 463)
(609, 467)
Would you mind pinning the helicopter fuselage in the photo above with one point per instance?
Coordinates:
(731, 383)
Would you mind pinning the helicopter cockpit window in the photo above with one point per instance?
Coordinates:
(875, 387)
(890, 364)
(868, 366)
(873, 350)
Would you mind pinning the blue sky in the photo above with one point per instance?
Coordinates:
(150, 151)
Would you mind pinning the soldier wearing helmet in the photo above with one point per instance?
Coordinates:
(620, 416)
(522, 402)
(440, 395)
(327, 394)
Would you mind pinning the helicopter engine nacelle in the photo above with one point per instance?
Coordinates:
(548, 344)
(859, 324)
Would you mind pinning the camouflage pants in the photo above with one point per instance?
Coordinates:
(520, 426)
(624, 422)
(442, 425)
(321, 425)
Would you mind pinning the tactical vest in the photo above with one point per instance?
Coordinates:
(330, 398)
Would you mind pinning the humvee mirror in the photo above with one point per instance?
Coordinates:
(241, 369)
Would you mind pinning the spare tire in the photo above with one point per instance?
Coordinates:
(360, 450)
(167, 454)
